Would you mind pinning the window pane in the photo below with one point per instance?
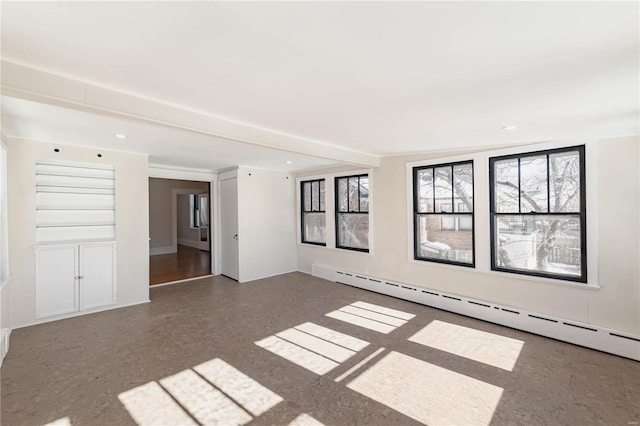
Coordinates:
(306, 186)
(463, 187)
(354, 202)
(314, 227)
(443, 189)
(542, 243)
(322, 195)
(315, 196)
(533, 184)
(435, 241)
(425, 191)
(465, 223)
(506, 186)
(353, 230)
(364, 194)
(564, 172)
(342, 195)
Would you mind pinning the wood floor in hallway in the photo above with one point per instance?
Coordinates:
(188, 262)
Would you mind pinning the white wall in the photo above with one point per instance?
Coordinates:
(132, 221)
(613, 191)
(267, 223)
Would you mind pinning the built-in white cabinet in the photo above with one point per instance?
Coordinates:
(74, 277)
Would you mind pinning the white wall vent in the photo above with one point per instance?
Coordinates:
(591, 336)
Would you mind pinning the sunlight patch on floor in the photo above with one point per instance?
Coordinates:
(374, 317)
(305, 420)
(317, 345)
(251, 395)
(488, 348)
(215, 393)
(65, 421)
(427, 393)
(316, 348)
(381, 309)
(206, 404)
(150, 405)
(297, 355)
(333, 336)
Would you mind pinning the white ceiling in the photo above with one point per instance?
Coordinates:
(169, 147)
(380, 77)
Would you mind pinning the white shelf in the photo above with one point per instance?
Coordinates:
(74, 202)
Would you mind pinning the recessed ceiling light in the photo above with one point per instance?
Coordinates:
(120, 136)
(509, 128)
(289, 162)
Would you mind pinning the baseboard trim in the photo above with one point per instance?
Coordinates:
(181, 281)
(79, 314)
(161, 250)
(570, 331)
(266, 276)
(200, 245)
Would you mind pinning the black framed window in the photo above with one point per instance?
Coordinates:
(313, 215)
(443, 213)
(194, 211)
(538, 214)
(352, 212)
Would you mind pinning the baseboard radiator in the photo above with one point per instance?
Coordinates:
(590, 336)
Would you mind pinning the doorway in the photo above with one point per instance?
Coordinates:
(179, 230)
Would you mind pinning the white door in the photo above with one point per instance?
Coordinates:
(56, 291)
(96, 269)
(229, 228)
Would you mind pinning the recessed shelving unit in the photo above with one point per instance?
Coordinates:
(74, 202)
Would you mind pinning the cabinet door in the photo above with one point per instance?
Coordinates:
(97, 285)
(56, 284)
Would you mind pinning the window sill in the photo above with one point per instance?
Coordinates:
(361, 253)
(520, 277)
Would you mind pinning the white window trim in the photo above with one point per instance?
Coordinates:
(5, 276)
(481, 209)
(330, 210)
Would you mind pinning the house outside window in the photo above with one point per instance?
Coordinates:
(443, 213)
(352, 212)
(538, 214)
(313, 214)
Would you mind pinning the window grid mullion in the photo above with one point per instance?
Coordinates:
(519, 189)
(453, 208)
(358, 194)
(548, 186)
(433, 185)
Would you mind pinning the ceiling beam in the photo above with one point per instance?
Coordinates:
(20, 81)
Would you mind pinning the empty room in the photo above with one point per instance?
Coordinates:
(320, 213)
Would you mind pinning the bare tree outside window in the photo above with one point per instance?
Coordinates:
(538, 213)
(352, 212)
(443, 213)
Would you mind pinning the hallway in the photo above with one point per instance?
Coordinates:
(188, 262)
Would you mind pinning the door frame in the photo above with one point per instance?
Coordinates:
(165, 172)
(228, 175)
